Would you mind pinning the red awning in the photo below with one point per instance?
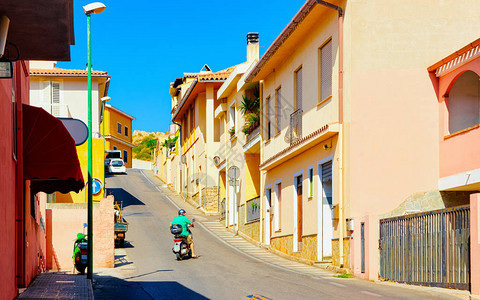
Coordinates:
(49, 155)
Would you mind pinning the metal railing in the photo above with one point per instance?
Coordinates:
(296, 125)
(253, 209)
(431, 248)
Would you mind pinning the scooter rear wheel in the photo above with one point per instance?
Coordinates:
(179, 256)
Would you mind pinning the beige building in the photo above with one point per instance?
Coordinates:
(350, 124)
(194, 103)
(239, 129)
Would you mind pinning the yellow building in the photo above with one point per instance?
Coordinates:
(118, 132)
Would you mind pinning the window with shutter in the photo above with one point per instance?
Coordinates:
(55, 99)
(298, 89)
(125, 156)
(327, 171)
(269, 118)
(126, 131)
(326, 66)
(278, 108)
(119, 128)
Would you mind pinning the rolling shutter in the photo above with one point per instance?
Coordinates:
(327, 171)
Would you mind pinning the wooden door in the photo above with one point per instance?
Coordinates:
(299, 209)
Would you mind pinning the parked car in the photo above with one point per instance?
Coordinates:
(117, 166)
(111, 154)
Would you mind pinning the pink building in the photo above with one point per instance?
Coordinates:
(32, 30)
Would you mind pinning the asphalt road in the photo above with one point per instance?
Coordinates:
(147, 268)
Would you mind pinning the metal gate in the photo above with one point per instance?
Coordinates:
(431, 248)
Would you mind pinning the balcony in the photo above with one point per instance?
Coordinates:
(295, 130)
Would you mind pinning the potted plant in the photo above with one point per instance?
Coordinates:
(231, 131)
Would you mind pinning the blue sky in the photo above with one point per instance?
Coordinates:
(145, 45)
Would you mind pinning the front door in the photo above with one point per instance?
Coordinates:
(299, 211)
(268, 216)
(327, 223)
(231, 205)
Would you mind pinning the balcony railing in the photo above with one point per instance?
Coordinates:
(295, 126)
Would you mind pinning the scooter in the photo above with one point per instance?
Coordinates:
(181, 248)
(80, 253)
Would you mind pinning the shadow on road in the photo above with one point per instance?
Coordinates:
(125, 197)
(108, 287)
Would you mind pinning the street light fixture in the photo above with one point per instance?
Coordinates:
(94, 8)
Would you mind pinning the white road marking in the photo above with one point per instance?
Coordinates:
(337, 284)
(371, 294)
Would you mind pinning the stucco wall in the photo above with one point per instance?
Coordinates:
(97, 168)
(67, 220)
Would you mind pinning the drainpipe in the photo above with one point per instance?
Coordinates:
(340, 121)
(262, 185)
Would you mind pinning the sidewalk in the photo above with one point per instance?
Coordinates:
(58, 285)
(261, 254)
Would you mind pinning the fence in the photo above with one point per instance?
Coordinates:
(431, 248)
(253, 209)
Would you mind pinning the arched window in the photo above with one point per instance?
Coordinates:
(463, 102)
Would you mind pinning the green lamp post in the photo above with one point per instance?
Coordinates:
(94, 8)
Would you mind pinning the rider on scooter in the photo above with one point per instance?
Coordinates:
(181, 219)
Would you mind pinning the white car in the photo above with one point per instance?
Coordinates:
(117, 166)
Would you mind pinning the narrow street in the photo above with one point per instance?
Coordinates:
(147, 269)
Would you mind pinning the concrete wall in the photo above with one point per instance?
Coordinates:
(65, 220)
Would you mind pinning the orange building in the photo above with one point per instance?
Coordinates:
(118, 132)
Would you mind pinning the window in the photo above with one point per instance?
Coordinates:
(277, 207)
(192, 117)
(298, 89)
(232, 117)
(269, 118)
(119, 128)
(326, 65)
(125, 156)
(55, 98)
(463, 103)
(310, 181)
(126, 131)
(278, 107)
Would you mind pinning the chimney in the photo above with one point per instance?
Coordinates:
(253, 48)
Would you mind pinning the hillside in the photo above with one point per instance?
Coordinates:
(145, 143)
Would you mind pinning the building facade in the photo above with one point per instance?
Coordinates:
(118, 132)
(64, 94)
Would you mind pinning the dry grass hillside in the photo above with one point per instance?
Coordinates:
(145, 142)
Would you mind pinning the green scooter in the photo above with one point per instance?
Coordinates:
(80, 253)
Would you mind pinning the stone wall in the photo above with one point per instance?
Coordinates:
(212, 199)
(336, 252)
(251, 229)
(284, 245)
(432, 200)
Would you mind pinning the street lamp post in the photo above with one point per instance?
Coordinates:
(95, 8)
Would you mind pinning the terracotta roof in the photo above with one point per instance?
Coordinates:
(66, 72)
(458, 57)
(278, 42)
(221, 75)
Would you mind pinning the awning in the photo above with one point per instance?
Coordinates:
(50, 158)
